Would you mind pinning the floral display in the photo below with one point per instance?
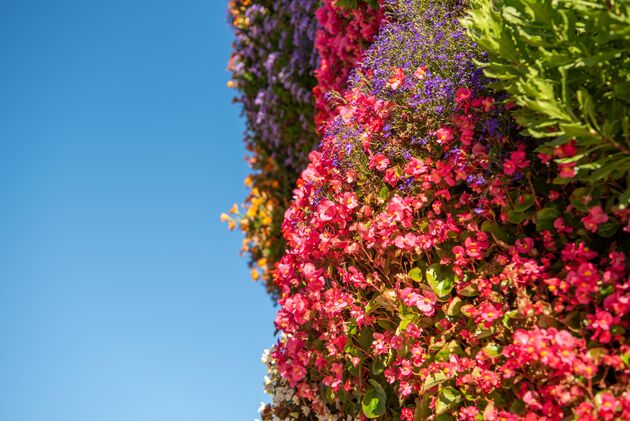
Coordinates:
(433, 269)
(456, 244)
(273, 69)
(283, 51)
(343, 34)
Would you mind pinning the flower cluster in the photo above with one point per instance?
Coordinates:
(273, 68)
(343, 35)
(432, 268)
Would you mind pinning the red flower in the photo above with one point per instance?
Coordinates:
(463, 94)
(596, 216)
(379, 162)
(420, 72)
(397, 80)
(444, 135)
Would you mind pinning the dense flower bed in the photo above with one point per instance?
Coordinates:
(343, 34)
(273, 69)
(433, 270)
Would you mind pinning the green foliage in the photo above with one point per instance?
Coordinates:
(353, 4)
(373, 403)
(565, 64)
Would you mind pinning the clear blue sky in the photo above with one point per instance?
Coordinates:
(122, 296)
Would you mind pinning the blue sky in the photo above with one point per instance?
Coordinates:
(122, 296)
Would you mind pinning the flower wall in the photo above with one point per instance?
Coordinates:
(439, 263)
(343, 35)
(287, 56)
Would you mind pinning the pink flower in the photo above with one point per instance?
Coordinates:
(426, 303)
(415, 167)
(379, 162)
(406, 414)
(420, 73)
(607, 406)
(468, 413)
(475, 247)
(391, 176)
(488, 313)
(444, 135)
(405, 389)
(566, 150)
(397, 80)
(596, 216)
(487, 103)
(463, 94)
(327, 210)
(379, 344)
(601, 322)
(567, 170)
(517, 160)
(296, 373)
(508, 167)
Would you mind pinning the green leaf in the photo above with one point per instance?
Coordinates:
(433, 380)
(469, 291)
(492, 350)
(582, 199)
(441, 279)
(608, 229)
(451, 348)
(374, 401)
(365, 337)
(496, 230)
(454, 308)
(347, 4)
(448, 399)
(383, 193)
(415, 274)
(524, 202)
(378, 366)
(545, 218)
(382, 300)
(423, 409)
(516, 217)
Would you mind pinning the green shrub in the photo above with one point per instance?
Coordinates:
(565, 64)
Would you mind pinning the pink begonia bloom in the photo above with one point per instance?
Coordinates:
(607, 406)
(296, 373)
(407, 414)
(415, 167)
(601, 322)
(420, 73)
(444, 135)
(468, 413)
(391, 177)
(463, 94)
(567, 170)
(517, 161)
(596, 216)
(397, 80)
(379, 162)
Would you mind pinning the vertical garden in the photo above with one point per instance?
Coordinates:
(438, 203)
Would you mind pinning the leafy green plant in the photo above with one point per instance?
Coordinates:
(565, 64)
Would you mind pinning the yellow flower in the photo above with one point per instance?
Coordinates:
(225, 217)
(234, 209)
